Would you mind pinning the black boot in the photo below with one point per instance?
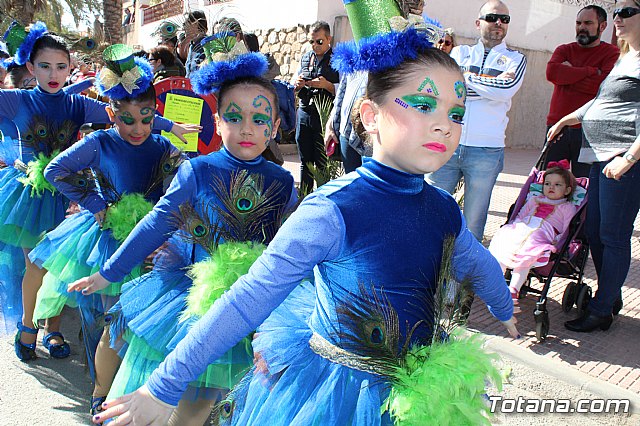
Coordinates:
(617, 306)
(589, 322)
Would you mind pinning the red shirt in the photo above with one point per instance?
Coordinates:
(576, 84)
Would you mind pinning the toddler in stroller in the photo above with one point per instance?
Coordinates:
(537, 235)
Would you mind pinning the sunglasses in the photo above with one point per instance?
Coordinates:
(445, 42)
(319, 42)
(493, 17)
(625, 12)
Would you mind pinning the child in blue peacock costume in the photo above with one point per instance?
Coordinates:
(116, 176)
(47, 119)
(374, 341)
(218, 214)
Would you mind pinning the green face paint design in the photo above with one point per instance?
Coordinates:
(127, 118)
(427, 104)
(266, 118)
(431, 89)
(148, 111)
(421, 103)
(233, 113)
(456, 114)
(460, 89)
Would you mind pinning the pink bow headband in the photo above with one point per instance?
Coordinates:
(563, 164)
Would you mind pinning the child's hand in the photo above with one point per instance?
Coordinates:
(89, 284)
(100, 217)
(137, 408)
(511, 327)
(181, 129)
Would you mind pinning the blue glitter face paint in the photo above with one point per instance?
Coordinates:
(402, 103)
(461, 89)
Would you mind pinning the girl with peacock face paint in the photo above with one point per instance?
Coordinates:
(247, 120)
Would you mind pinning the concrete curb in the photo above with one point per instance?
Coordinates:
(288, 148)
(563, 372)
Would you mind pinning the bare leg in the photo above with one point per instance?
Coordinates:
(518, 277)
(30, 285)
(107, 364)
(191, 413)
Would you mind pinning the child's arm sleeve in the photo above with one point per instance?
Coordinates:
(471, 261)
(78, 156)
(312, 234)
(95, 112)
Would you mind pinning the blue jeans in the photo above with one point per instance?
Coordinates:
(351, 160)
(480, 168)
(612, 209)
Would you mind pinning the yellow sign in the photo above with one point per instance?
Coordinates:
(183, 109)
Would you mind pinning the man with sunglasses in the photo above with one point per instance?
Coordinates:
(493, 74)
(315, 80)
(576, 71)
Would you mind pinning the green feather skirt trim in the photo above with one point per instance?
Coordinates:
(215, 275)
(124, 215)
(443, 384)
(35, 175)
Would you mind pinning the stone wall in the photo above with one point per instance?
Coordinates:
(286, 45)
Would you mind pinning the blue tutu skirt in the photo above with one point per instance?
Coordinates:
(11, 273)
(149, 312)
(24, 218)
(303, 388)
(77, 248)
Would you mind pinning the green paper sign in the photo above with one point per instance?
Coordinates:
(183, 109)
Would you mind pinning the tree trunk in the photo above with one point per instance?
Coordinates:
(112, 20)
(23, 11)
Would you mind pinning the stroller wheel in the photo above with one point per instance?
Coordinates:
(569, 296)
(542, 325)
(584, 296)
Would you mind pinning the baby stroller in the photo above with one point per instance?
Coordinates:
(570, 258)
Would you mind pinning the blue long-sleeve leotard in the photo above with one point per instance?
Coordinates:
(42, 118)
(128, 167)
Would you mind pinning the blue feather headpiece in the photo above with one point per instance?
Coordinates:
(384, 38)
(23, 53)
(20, 42)
(124, 75)
(227, 60)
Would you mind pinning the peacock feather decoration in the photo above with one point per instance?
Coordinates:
(47, 139)
(167, 30)
(233, 240)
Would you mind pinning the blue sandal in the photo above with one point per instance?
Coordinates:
(60, 350)
(25, 351)
(96, 405)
